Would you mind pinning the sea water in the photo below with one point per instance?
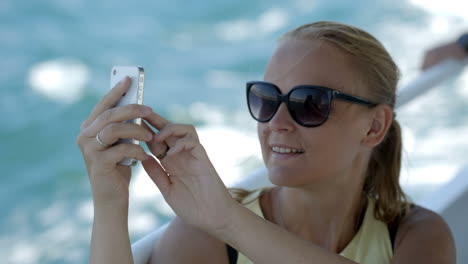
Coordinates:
(55, 58)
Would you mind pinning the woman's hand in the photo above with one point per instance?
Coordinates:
(187, 179)
(109, 181)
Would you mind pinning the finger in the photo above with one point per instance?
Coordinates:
(115, 131)
(156, 121)
(158, 149)
(159, 123)
(181, 145)
(158, 175)
(108, 101)
(144, 124)
(176, 130)
(117, 115)
(115, 154)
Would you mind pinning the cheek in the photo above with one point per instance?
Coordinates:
(262, 132)
(332, 145)
(339, 147)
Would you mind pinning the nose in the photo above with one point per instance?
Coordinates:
(282, 120)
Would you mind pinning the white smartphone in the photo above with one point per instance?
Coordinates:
(134, 95)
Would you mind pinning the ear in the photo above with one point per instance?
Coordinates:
(382, 117)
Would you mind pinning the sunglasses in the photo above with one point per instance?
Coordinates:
(308, 105)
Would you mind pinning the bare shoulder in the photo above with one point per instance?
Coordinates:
(423, 236)
(182, 243)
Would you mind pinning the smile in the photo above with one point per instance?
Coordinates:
(286, 150)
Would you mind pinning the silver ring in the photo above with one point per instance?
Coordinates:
(98, 139)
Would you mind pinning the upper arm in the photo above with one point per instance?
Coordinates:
(424, 237)
(182, 243)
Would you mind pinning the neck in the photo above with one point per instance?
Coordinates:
(320, 215)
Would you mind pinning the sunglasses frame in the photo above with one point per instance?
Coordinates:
(284, 98)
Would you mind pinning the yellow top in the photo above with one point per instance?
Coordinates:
(370, 245)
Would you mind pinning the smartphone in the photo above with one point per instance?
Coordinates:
(134, 95)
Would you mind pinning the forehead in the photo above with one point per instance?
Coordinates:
(314, 62)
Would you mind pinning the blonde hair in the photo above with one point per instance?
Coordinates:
(379, 73)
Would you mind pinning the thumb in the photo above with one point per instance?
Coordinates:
(158, 175)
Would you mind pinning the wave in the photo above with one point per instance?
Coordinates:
(60, 80)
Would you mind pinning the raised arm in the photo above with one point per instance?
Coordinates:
(110, 242)
(109, 181)
(193, 189)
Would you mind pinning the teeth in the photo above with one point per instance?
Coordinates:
(286, 150)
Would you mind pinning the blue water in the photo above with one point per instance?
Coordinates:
(193, 53)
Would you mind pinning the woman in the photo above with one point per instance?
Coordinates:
(332, 148)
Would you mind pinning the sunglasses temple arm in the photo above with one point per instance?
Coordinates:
(353, 99)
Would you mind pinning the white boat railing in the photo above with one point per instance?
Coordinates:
(447, 201)
(429, 79)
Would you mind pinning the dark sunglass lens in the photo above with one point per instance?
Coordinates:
(263, 102)
(309, 106)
